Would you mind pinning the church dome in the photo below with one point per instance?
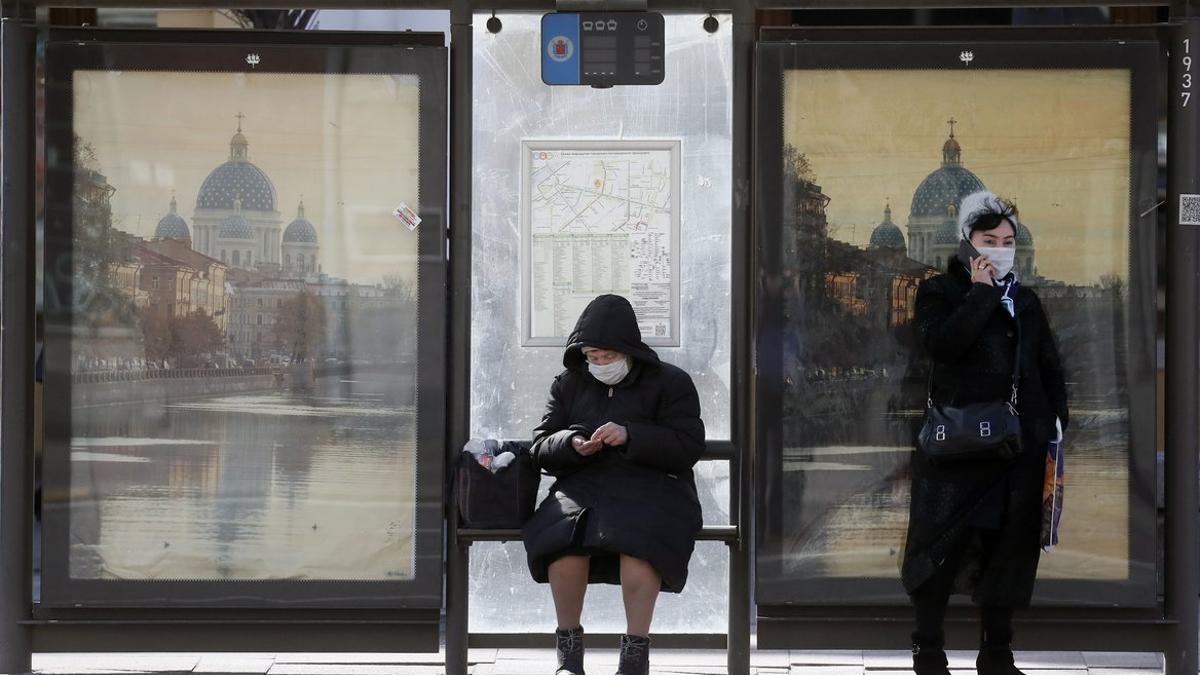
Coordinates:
(951, 151)
(235, 225)
(300, 231)
(1024, 236)
(887, 234)
(172, 225)
(943, 189)
(238, 177)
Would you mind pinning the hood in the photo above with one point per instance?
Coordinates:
(608, 322)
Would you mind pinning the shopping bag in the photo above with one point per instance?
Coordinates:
(1052, 495)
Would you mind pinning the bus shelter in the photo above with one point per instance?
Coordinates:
(260, 287)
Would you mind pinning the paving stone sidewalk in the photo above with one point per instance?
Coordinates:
(599, 661)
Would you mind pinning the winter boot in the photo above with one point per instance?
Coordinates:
(995, 653)
(929, 655)
(570, 651)
(635, 655)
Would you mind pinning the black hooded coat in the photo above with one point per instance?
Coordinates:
(638, 499)
(972, 340)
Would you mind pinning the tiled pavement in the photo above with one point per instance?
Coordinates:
(599, 661)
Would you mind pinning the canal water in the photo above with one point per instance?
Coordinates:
(274, 484)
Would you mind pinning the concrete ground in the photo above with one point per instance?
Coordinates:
(599, 662)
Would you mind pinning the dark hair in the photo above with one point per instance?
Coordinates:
(990, 220)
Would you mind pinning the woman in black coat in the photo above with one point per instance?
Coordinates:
(975, 527)
(621, 433)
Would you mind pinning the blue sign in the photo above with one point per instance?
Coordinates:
(560, 48)
(603, 49)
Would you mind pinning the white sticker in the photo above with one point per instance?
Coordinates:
(1189, 209)
(407, 216)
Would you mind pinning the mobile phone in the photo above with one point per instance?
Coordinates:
(967, 251)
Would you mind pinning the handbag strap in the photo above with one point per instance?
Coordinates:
(1016, 376)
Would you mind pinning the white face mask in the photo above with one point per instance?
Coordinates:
(610, 373)
(1002, 257)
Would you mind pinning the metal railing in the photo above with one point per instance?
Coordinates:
(147, 374)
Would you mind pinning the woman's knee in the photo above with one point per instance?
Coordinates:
(570, 564)
(638, 568)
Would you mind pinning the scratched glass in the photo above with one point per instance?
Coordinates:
(689, 111)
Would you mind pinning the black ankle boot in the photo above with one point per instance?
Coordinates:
(570, 651)
(995, 654)
(635, 655)
(929, 655)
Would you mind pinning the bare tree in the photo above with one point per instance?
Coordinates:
(796, 164)
(156, 335)
(195, 336)
(301, 326)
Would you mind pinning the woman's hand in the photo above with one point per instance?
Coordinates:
(585, 447)
(982, 270)
(611, 433)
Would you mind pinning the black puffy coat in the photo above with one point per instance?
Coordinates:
(638, 499)
(971, 340)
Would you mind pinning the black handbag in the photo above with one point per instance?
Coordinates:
(501, 500)
(979, 431)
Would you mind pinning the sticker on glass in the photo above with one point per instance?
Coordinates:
(407, 216)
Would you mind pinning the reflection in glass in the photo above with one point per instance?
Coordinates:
(243, 335)
(875, 165)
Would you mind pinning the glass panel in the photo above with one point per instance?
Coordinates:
(693, 109)
(874, 164)
(233, 323)
(499, 580)
(690, 114)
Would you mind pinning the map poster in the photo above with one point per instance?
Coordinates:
(599, 217)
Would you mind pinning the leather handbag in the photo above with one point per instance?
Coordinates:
(501, 500)
(979, 431)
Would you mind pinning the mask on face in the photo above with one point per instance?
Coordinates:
(610, 373)
(1002, 257)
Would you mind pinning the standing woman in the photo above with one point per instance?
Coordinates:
(975, 526)
(621, 434)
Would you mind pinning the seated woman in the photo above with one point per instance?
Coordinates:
(621, 433)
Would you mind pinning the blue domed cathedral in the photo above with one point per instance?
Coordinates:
(242, 265)
(933, 216)
(237, 219)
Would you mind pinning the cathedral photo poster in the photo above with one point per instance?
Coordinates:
(243, 332)
(875, 162)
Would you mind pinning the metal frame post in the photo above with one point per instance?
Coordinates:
(1182, 348)
(458, 552)
(741, 551)
(16, 346)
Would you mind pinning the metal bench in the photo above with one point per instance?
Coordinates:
(736, 641)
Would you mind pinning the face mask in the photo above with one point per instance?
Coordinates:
(1002, 257)
(610, 373)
